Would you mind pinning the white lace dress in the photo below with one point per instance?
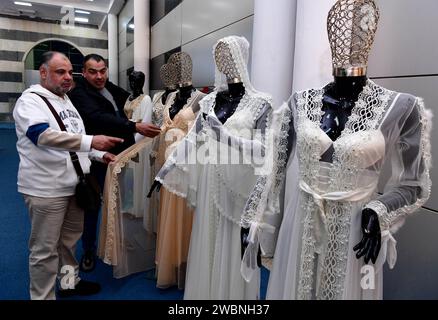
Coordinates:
(218, 193)
(222, 169)
(314, 257)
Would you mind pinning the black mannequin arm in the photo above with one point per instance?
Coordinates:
(155, 186)
(369, 246)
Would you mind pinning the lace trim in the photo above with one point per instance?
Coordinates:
(158, 109)
(170, 188)
(262, 192)
(307, 261)
(365, 115)
(335, 255)
(309, 107)
(130, 106)
(113, 193)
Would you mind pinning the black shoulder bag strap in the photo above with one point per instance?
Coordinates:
(73, 155)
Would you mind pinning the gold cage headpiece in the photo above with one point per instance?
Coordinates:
(351, 27)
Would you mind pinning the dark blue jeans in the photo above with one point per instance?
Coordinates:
(98, 170)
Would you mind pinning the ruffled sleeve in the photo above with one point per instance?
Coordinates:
(179, 173)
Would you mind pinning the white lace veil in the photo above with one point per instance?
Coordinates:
(239, 49)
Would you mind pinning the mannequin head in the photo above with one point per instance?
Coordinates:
(136, 81)
(168, 76)
(182, 64)
(351, 27)
(225, 62)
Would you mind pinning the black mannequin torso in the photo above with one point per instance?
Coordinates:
(182, 96)
(136, 82)
(338, 101)
(135, 95)
(227, 101)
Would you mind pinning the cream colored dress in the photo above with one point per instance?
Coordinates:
(174, 217)
(124, 242)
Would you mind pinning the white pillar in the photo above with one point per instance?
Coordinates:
(142, 38)
(113, 49)
(313, 63)
(273, 47)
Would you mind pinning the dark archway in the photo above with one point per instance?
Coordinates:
(34, 58)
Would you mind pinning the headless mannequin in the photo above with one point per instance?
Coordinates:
(338, 102)
(182, 96)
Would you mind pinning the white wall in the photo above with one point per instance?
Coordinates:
(126, 54)
(404, 59)
(196, 25)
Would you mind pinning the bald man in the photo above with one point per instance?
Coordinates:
(47, 178)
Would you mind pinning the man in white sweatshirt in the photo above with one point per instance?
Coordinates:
(47, 178)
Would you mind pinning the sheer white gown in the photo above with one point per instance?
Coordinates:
(223, 193)
(314, 257)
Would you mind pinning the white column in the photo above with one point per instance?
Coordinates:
(113, 49)
(142, 38)
(313, 63)
(273, 47)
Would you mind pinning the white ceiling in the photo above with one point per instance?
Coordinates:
(51, 9)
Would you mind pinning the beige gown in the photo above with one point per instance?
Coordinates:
(174, 217)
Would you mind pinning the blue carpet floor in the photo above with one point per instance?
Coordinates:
(14, 233)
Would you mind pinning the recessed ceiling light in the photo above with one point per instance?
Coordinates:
(82, 11)
(131, 26)
(19, 3)
(80, 19)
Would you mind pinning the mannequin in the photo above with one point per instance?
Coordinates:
(138, 104)
(168, 77)
(181, 65)
(219, 190)
(183, 70)
(174, 216)
(136, 82)
(345, 133)
(138, 107)
(123, 240)
(227, 101)
(182, 96)
(339, 99)
(226, 104)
